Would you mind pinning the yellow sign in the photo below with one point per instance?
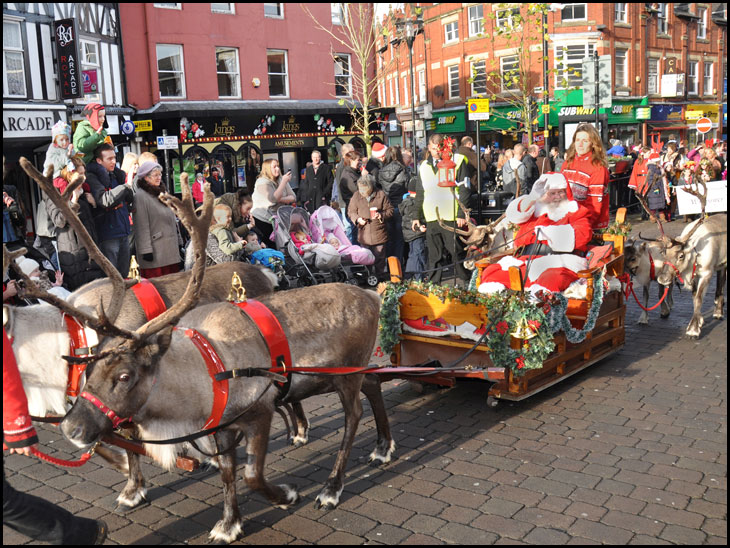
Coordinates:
(142, 125)
(478, 109)
(546, 109)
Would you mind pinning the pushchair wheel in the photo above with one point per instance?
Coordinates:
(372, 280)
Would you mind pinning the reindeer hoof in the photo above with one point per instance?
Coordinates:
(224, 533)
(328, 499)
(128, 502)
(381, 455)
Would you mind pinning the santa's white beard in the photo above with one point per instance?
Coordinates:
(555, 212)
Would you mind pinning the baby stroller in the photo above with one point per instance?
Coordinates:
(307, 262)
(327, 227)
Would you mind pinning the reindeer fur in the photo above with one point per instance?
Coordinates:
(166, 388)
(637, 262)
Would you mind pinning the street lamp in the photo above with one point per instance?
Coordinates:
(407, 30)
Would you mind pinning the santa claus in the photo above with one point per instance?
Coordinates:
(552, 227)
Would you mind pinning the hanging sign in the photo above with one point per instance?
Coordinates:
(69, 69)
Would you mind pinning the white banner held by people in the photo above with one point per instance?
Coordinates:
(716, 199)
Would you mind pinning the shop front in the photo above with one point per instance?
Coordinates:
(667, 123)
(450, 122)
(623, 120)
(702, 110)
(235, 143)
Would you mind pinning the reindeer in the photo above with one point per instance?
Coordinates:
(44, 371)
(480, 240)
(147, 374)
(693, 257)
(641, 261)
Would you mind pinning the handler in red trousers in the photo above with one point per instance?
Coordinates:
(29, 515)
(552, 228)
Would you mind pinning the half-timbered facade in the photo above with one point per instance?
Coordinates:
(44, 83)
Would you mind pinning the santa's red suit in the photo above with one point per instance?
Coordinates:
(565, 228)
(589, 184)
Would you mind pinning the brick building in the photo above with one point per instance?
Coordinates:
(668, 67)
(239, 83)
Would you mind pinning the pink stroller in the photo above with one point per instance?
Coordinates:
(327, 227)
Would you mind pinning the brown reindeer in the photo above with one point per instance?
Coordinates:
(43, 369)
(699, 252)
(159, 380)
(480, 240)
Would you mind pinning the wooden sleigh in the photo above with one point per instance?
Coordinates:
(606, 337)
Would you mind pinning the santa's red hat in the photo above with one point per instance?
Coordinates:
(379, 150)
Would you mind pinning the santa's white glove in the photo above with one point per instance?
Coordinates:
(554, 180)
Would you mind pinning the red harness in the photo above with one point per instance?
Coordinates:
(274, 337)
(79, 347)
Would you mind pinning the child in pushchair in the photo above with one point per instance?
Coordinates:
(327, 226)
(308, 262)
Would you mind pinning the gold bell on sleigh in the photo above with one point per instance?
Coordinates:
(237, 294)
(523, 330)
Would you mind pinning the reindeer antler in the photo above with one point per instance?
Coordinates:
(198, 229)
(119, 285)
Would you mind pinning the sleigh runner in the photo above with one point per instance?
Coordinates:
(495, 338)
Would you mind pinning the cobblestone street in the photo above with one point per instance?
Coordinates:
(633, 450)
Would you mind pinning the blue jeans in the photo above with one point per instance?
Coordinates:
(417, 258)
(117, 251)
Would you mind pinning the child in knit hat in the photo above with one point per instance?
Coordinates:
(60, 150)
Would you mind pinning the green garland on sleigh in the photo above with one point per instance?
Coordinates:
(507, 310)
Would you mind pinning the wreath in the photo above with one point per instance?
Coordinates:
(507, 311)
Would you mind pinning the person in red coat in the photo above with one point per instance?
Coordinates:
(586, 169)
(637, 182)
(27, 514)
(552, 228)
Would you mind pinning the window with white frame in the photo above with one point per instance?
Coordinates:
(509, 68)
(13, 60)
(343, 76)
(170, 71)
(422, 86)
(454, 89)
(223, 8)
(406, 90)
(91, 67)
(451, 31)
(479, 75)
(338, 14)
(476, 20)
(702, 23)
(653, 76)
(574, 12)
(692, 88)
(620, 13)
(662, 27)
(275, 11)
(508, 18)
(621, 66)
(276, 61)
(168, 5)
(569, 64)
(229, 77)
(708, 83)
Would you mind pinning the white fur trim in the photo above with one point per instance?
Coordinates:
(508, 261)
(534, 289)
(514, 213)
(541, 264)
(560, 238)
(491, 287)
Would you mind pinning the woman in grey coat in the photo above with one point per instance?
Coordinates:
(155, 226)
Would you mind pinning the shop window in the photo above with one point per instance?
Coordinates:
(248, 166)
(13, 62)
(171, 71)
(278, 73)
(226, 60)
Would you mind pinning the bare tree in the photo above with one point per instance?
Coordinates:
(357, 35)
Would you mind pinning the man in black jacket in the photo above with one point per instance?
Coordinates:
(533, 172)
(316, 188)
(113, 203)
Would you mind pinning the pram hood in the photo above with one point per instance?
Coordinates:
(326, 221)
